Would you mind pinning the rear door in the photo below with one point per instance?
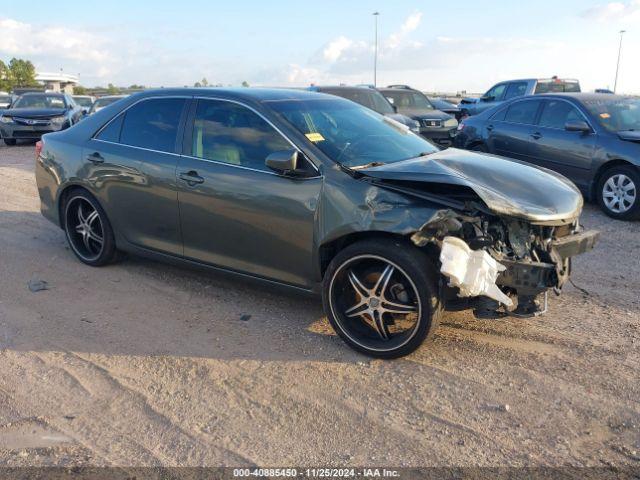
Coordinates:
(553, 147)
(132, 164)
(510, 132)
(235, 212)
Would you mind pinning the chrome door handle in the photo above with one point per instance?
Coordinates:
(191, 177)
(95, 157)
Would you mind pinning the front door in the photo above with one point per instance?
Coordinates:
(235, 212)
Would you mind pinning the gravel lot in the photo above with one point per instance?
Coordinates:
(142, 363)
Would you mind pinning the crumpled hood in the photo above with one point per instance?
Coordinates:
(469, 100)
(630, 135)
(34, 112)
(506, 186)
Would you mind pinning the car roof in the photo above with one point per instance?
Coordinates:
(581, 96)
(252, 94)
(48, 94)
(356, 88)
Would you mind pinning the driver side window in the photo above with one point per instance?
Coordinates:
(230, 133)
(496, 92)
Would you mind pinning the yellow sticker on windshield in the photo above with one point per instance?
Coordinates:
(315, 137)
(605, 115)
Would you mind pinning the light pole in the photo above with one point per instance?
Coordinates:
(615, 83)
(375, 54)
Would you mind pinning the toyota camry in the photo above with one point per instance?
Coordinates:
(320, 194)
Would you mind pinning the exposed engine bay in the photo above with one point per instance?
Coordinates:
(504, 263)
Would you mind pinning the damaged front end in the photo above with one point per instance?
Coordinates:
(500, 265)
(505, 231)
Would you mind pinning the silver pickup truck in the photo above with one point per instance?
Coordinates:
(504, 91)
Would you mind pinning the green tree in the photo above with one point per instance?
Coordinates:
(112, 89)
(204, 82)
(5, 81)
(245, 83)
(79, 90)
(22, 73)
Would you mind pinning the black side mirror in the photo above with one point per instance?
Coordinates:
(577, 126)
(395, 108)
(284, 161)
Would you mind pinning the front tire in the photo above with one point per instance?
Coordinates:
(618, 194)
(10, 142)
(88, 230)
(382, 297)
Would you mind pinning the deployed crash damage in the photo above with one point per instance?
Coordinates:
(503, 239)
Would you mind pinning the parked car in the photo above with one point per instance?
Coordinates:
(105, 101)
(436, 126)
(504, 91)
(5, 100)
(591, 138)
(85, 102)
(370, 98)
(318, 193)
(34, 114)
(446, 107)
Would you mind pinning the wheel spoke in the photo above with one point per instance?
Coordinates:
(95, 237)
(357, 310)
(80, 215)
(92, 216)
(611, 186)
(383, 281)
(85, 240)
(357, 285)
(629, 186)
(380, 327)
(393, 307)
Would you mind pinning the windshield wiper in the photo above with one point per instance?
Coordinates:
(368, 165)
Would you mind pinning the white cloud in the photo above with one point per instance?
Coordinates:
(621, 12)
(24, 39)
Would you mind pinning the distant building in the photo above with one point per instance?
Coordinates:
(57, 82)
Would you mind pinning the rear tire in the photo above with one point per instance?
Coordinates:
(10, 142)
(382, 297)
(618, 194)
(88, 230)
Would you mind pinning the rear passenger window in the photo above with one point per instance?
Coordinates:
(514, 90)
(153, 124)
(557, 113)
(522, 112)
(230, 133)
(111, 133)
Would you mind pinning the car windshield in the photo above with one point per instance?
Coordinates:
(364, 96)
(39, 101)
(616, 114)
(83, 101)
(352, 135)
(408, 99)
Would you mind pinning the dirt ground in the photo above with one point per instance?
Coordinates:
(142, 363)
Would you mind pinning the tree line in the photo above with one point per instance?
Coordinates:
(16, 74)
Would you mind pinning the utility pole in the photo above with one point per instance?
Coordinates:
(375, 55)
(615, 83)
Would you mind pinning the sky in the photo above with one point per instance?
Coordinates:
(446, 46)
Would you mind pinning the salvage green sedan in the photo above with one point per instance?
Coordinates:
(320, 194)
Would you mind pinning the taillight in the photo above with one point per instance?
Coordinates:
(39, 145)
